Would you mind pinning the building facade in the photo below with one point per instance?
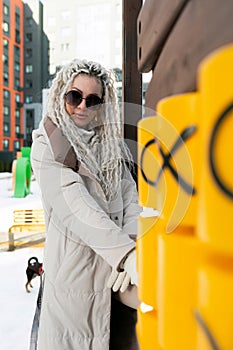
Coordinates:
(25, 71)
(11, 83)
(36, 68)
(90, 29)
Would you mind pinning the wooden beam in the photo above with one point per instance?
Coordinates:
(175, 37)
(131, 78)
(155, 22)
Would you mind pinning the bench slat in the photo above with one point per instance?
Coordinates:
(27, 220)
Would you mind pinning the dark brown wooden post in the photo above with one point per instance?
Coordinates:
(131, 78)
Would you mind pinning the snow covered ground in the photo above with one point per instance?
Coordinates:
(16, 306)
(8, 203)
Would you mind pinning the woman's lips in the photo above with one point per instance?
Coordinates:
(81, 116)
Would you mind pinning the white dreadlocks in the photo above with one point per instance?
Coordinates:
(105, 154)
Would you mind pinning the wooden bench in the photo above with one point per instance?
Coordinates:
(27, 221)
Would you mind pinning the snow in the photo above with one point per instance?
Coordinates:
(17, 307)
(8, 203)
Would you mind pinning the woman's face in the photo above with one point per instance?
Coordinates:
(87, 87)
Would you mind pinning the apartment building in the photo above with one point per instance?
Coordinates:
(36, 65)
(90, 29)
(25, 71)
(11, 83)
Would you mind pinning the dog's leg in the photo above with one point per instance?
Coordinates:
(31, 285)
(27, 288)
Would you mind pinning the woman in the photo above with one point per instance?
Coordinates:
(90, 204)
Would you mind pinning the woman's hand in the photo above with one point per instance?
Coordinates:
(129, 266)
(119, 281)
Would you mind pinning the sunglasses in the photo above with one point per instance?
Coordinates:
(74, 98)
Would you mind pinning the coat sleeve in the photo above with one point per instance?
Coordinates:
(131, 206)
(74, 208)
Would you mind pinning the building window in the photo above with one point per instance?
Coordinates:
(17, 98)
(29, 114)
(17, 36)
(6, 78)
(17, 18)
(28, 84)
(17, 83)
(6, 111)
(5, 27)
(5, 44)
(5, 144)
(17, 129)
(6, 94)
(17, 51)
(6, 10)
(16, 145)
(17, 114)
(6, 66)
(6, 128)
(17, 101)
(30, 124)
(64, 47)
(29, 21)
(29, 99)
(29, 130)
(17, 66)
(28, 37)
(28, 53)
(5, 59)
(28, 68)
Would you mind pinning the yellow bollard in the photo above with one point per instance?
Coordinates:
(147, 260)
(147, 329)
(214, 313)
(179, 255)
(216, 188)
(166, 183)
(182, 113)
(149, 194)
(147, 238)
(179, 251)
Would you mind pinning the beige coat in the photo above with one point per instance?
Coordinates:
(85, 238)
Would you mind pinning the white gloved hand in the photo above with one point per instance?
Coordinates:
(118, 281)
(129, 266)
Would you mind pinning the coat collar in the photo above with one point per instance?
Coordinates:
(62, 149)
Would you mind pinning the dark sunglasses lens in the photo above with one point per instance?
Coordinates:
(73, 98)
(93, 101)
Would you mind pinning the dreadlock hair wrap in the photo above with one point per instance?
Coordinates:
(101, 148)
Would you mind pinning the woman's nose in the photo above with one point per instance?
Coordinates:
(82, 105)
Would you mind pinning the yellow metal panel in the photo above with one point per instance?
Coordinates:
(215, 302)
(215, 224)
(147, 332)
(183, 112)
(147, 260)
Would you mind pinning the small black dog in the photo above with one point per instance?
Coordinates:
(34, 269)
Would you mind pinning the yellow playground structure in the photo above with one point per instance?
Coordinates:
(185, 253)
